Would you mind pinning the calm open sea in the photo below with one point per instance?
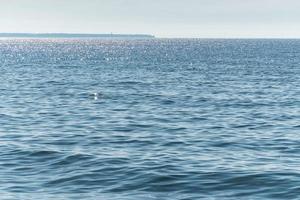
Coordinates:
(165, 119)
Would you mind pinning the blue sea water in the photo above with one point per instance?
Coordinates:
(165, 119)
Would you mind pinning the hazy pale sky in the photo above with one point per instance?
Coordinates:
(163, 18)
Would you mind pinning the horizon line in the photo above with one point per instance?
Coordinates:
(120, 35)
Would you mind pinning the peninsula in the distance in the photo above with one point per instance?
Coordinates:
(74, 35)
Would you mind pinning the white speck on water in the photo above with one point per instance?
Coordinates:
(95, 96)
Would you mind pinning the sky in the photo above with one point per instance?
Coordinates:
(162, 18)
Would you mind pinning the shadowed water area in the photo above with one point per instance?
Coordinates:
(149, 119)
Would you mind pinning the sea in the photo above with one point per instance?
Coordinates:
(149, 119)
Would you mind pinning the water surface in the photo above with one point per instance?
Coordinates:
(149, 119)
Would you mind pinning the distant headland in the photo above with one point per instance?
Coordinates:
(74, 35)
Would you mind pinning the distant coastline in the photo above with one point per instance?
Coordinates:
(73, 35)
